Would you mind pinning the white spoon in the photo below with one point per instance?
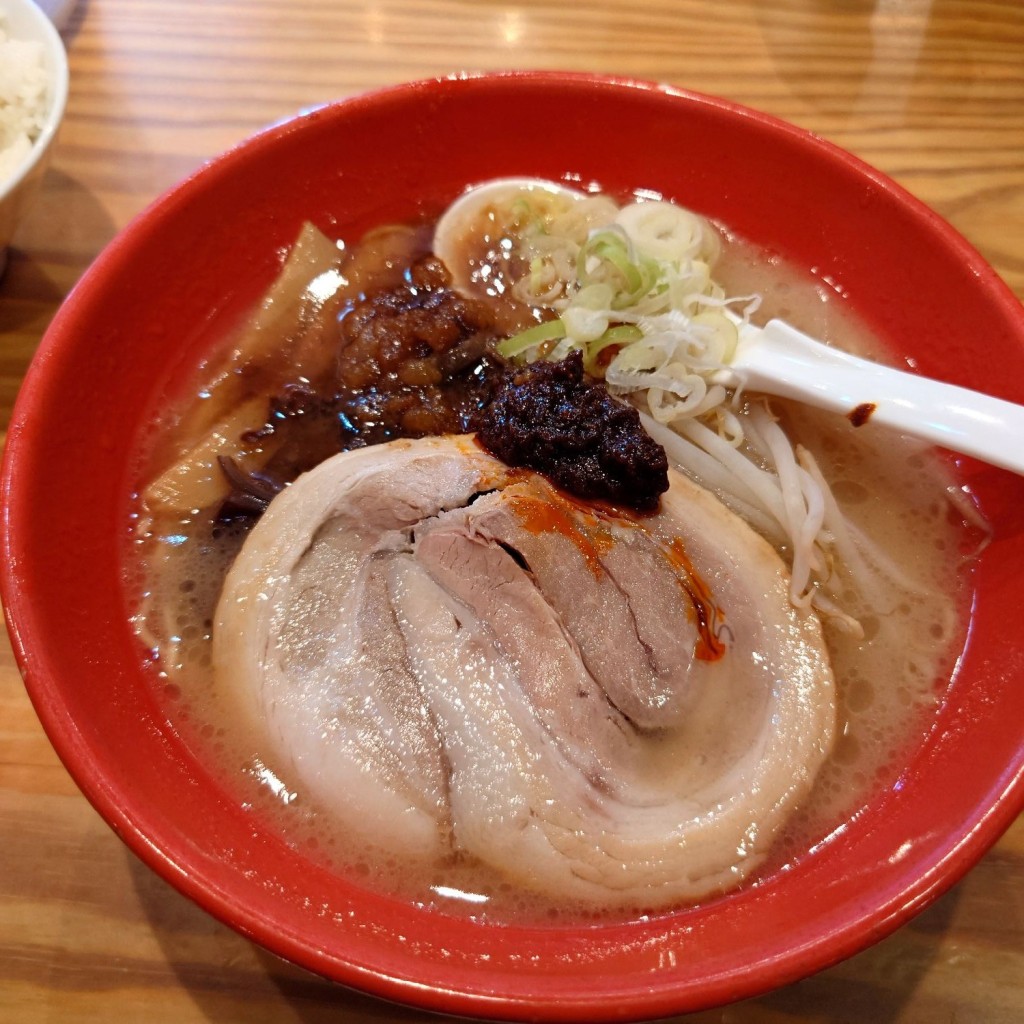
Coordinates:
(777, 359)
(780, 360)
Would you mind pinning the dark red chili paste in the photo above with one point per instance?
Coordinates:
(548, 418)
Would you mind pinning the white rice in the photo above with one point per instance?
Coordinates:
(22, 99)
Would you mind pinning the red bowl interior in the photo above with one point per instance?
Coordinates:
(150, 304)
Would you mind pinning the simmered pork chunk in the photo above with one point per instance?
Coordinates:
(449, 655)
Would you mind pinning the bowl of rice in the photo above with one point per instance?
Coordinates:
(33, 93)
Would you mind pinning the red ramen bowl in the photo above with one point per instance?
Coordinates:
(159, 296)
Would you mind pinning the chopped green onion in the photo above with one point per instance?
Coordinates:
(613, 251)
(536, 270)
(622, 334)
(550, 330)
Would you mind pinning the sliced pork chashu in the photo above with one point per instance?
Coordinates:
(452, 656)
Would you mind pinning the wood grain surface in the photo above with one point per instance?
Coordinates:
(929, 91)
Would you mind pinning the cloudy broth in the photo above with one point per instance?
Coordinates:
(903, 496)
(889, 683)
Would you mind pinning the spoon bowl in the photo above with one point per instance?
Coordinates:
(780, 360)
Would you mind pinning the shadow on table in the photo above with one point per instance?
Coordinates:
(66, 15)
(24, 288)
(233, 980)
(66, 224)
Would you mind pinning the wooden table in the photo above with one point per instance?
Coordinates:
(930, 91)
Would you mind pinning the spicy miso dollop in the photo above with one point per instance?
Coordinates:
(548, 417)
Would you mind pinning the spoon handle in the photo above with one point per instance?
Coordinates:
(780, 360)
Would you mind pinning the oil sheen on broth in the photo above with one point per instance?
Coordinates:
(888, 683)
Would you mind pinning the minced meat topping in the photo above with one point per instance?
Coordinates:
(546, 417)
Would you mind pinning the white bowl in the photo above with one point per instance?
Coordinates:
(22, 19)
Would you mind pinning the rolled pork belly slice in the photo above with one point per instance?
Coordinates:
(450, 656)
